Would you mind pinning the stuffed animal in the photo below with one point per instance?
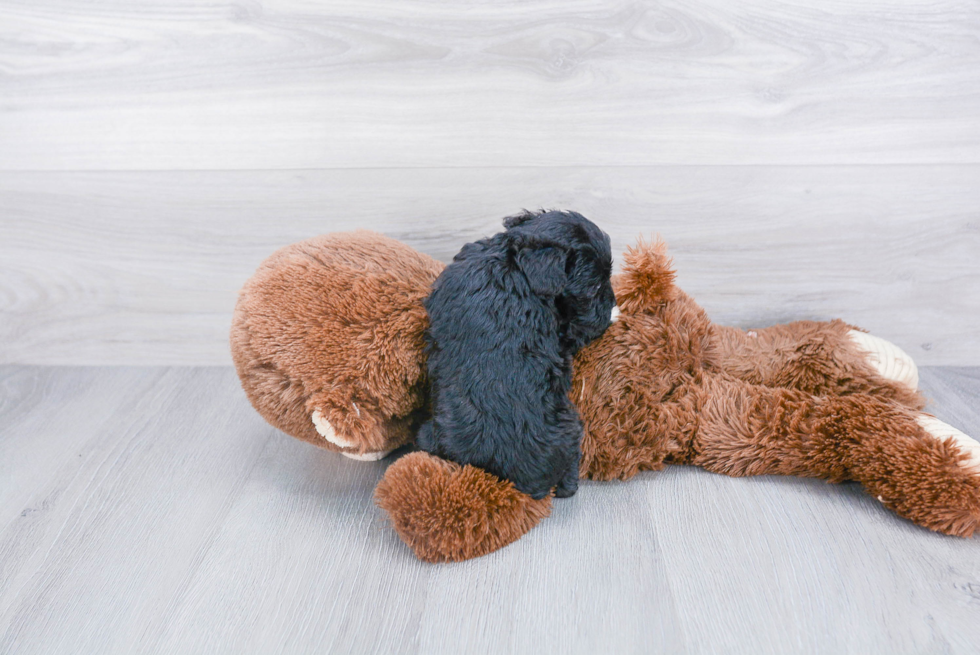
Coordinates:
(328, 341)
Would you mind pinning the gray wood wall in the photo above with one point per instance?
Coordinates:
(802, 160)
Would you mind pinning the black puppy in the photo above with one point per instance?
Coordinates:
(506, 318)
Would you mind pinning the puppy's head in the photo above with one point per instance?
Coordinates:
(567, 258)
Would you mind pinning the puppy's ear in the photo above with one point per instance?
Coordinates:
(544, 268)
(520, 219)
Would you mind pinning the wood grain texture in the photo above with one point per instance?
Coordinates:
(151, 510)
(307, 84)
(144, 267)
(100, 527)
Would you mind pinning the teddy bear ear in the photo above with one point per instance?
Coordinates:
(647, 280)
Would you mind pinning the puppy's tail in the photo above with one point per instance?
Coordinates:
(448, 513)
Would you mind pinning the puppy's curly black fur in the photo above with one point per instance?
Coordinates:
(506, 318)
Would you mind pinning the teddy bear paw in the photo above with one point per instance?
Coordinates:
(890, 361)
(325, 430)
(367, 457)
(944, 431)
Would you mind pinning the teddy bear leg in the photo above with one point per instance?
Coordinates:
(943, 431)
(888, 360)
(914, 464)
(745, 429)
(820, 358)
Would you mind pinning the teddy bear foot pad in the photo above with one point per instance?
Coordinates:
(325, 430)
(890, 361)
(943, 431)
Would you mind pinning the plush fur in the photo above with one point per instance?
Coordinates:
(662, 385)
(459, 512)
(335, 325)
(505, 319)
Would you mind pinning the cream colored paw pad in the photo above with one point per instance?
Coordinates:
(891, 362)
(325, 430)
(944, 431)
(367, 457)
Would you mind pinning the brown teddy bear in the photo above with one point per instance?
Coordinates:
(327, 338)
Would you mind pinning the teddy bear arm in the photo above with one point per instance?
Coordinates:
(448, 513)
(818, 357)
(914, 464)
(359, 430)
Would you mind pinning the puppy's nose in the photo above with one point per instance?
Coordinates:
(614, 314)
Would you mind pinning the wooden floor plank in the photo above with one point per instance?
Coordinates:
(287, 84)
(144, 268)
(175, 520)
(107, 540)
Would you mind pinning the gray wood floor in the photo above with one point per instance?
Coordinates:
(151, 510)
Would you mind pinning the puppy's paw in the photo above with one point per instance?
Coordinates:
(325, 430)
(566, 489)
(890, 361)
(943, 431)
